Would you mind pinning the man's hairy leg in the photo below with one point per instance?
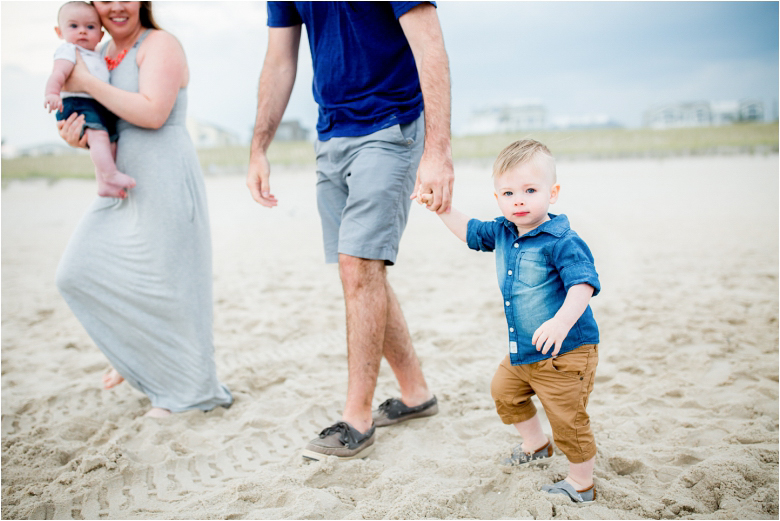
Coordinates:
(399, 352)
(365, 295)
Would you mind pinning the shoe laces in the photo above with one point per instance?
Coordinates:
(386, 404)
(346, 433)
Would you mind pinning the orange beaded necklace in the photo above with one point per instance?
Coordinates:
(113, 63)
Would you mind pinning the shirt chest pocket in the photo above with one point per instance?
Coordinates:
(532, 268)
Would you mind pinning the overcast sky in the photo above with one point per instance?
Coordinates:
(576, 58)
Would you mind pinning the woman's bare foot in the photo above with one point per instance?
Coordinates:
(112, 379)
(157, 412)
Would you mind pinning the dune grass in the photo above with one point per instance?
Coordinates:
(621, 142)
(569, 144)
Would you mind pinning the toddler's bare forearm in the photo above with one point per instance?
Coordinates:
(575, 303)
(457, 222)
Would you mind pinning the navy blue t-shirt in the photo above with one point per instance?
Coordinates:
(365, 77)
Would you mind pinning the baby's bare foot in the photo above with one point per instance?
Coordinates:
(114, 184)
(112, 379)
(157, 412)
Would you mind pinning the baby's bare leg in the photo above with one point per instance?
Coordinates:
(111, 182)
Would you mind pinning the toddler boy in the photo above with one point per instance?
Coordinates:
(547, 277)
(79, 25)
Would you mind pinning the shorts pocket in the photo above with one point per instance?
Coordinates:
(400, 134)
(575, 363)
(409, 131)
(570, 364)
(532, 269)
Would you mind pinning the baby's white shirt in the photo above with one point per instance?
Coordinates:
(92, 59)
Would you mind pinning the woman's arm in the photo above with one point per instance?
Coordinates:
(162, 71)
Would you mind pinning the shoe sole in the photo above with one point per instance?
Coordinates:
(318, 456)
(537, 463)
(427, 413)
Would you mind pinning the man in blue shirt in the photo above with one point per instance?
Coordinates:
(381, 80)
(547, 277)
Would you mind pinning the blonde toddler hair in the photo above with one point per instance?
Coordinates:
(521, 152)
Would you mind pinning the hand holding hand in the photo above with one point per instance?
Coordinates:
(257, 180)
(550, 334)
(426, 199)
(70, 130)
(52, 102)
(435, 177)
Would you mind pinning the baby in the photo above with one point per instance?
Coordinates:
(79, 25)
(546, 277)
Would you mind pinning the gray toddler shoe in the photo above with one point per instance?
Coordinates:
(563, 487)
(519, 457)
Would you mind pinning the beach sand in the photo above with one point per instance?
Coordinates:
(685, 407)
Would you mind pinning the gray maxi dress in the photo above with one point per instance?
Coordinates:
(137, 271)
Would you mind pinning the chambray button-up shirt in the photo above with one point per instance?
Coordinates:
(534, 273)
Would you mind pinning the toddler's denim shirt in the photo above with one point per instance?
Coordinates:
(534, 273)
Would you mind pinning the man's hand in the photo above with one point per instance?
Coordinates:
(257, 180)
(435, 176)
(551, 333)
(273, 93)
(52, 102)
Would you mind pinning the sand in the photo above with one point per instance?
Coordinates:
(685, 408)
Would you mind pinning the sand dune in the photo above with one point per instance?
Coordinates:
(685, 408)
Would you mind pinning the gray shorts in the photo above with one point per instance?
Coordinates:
(363, 189)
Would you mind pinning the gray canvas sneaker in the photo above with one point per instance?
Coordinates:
(394, 411)
(519, 457)
(577, 496)
(341, 440)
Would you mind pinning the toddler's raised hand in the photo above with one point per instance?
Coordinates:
(52, 102)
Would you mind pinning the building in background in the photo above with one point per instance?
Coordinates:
(587, 121)
(704, 114)
(207, 135)
(291, 131)
(688, 114)
(751, 110)
(510, 117)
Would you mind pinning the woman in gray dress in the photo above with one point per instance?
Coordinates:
(137, 271)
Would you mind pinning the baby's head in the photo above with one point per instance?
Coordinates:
(79, 23)
(525, 182)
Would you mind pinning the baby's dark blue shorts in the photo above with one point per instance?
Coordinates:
(96, 115)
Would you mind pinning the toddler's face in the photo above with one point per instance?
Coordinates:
(80, 24)
(525, 193)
